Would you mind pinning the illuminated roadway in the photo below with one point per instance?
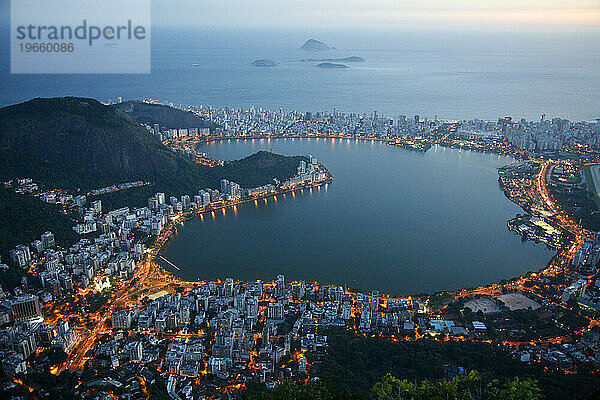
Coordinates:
(150, 270)
(124, 297)
(559, 262)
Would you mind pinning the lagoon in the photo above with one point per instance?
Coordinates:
(395, 220)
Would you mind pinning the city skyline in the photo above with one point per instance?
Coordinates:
(299, 200)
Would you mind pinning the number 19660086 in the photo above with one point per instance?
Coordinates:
(46, 47)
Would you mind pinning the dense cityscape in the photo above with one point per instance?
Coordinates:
(112, 309)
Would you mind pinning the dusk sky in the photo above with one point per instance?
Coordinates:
(484, 15)
(441, 14)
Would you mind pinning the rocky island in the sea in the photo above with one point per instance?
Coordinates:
(332, 65)
(265, 62)
(345, 59)
(314, 45)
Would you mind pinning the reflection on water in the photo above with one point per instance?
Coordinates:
(392, 219)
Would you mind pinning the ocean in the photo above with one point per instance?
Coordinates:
(451, 75)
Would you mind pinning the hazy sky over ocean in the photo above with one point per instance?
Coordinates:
(482, 15)
(365, 14)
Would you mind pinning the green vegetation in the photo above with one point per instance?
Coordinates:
(461, 387)
(527, 325)
(356, 363)
(95, 301)
(522, 325)
(33, 217)
(358, 367)
(581, 201)
(80, 144)
(24, 219)
(440, 299)
(589, 180)
(260, 168)
(470, 387)
(255, 170)
(166, 117)
(291, 390)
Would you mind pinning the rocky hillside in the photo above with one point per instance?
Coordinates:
(78, 143)
(165, 116)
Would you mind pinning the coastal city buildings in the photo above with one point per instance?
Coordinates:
(107, 304)
(519, 137)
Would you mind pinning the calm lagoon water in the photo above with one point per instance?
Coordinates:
(395, 220)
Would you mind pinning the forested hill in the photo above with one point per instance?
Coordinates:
(255, 170)
(24, 218)
(165, 116)
(78, 143)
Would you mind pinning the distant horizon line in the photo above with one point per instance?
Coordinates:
(112, 101)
